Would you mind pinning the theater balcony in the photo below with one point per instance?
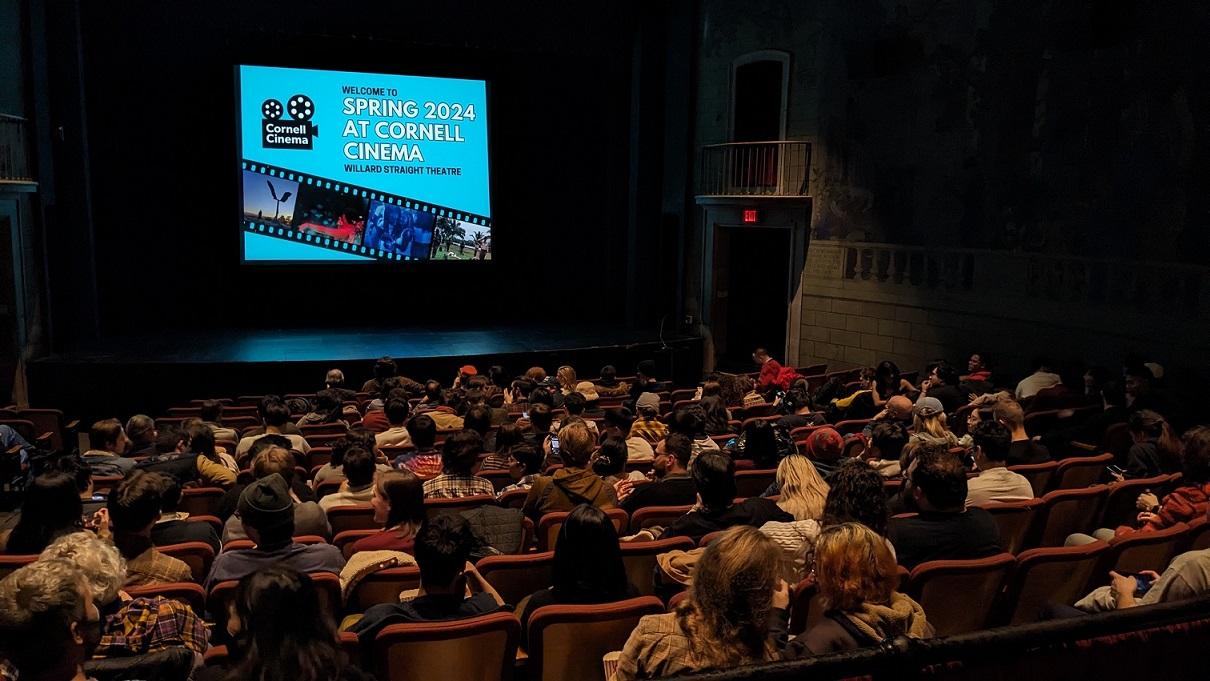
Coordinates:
(15, 173)
(746, 170)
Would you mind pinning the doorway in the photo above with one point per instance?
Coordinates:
(751, 293)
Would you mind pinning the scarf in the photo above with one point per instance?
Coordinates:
(901, 616)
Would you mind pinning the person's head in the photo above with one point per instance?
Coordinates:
(887, 439)
(760, 443)
(945, 373)
(422, 430)
(497, 377)
(1195, 456)
(855, 495)
(274, 440)
(575, 444)
(328, 404)
(443, 545)
(397, 411)
(528, 460)
(712, 389)
(398, 499)
(200, 438)
(460, 454)
(672, 454)
(610, 458)
(388, 387)
(928, 417)
(899, 408)
(727, 615)
(211, 412)
(508, 435)
(541, 418)
(273, 411)
(609, 376)
(645, 370)
(690, 420)
(479, 419)
(714, 480)
(938, 481)
(797, 401)
(267, 512)
(541, 395)
(274, 461)
(102, 566)
(566, 375)
(279, 622)
(108, 436)
(1145, 426)
(136, 503)
(992, 441)
(825, 444)
(74, 466)
(535, 374)
(171, 439)
(1010, 414)
(335, 378)
(48, 620)
(575, 404)
(52, 507)
(141, 430)
(1112, 393)
(803, 491)
(588, 560)
(358, 467)
(619, 418)
(384, 368)
(1138, 380)
(887, 375)
(647, 405)
(760, 355)
(716, 414)
(853, 567)
(433, 394)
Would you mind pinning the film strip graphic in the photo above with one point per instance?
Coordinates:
(329, 238)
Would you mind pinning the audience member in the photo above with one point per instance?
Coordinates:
(717, 416)
(728, 619)
(573, 484)
(803, 492)
(334, 380)
(884, 447)
(587, 567)
(647, 425)
(897, 409)
(507, 436)
(107, 446)
(825, 447)
(943, 385)
(855, 494)
(263, 406)
(762, 443)
(49, 625)
(995, 483)
(459, 461)
(608, 384)
(384, 368)
(443, 547)
(928, 424)
(398, 503)
(1187, 577)
(358, 487)
(799, 414)
(174, 526)
(524, 467)
(334, 469)
(608, 462)
(51, 509)
(478, 419)
(1156, 449)
(212, 415)
(1041, 379)
(1022, 449)
(327, 408)
(944, 529)
(857, 580)
(276, 416)
(621, 420)
(714, 479)
(134, 507)
(645, 380)
(142, 433)
(425, 460)
(673, 485)
(690, 421)
(267, 511)
(309, 518)
(434, 406)
(977, 370)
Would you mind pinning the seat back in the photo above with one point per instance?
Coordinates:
(851, 426)
(201, 500)
(568, 641)
(513, 498)
(382, 586)
(550, 524)
(1199, 535)
(354, 517)
(516, 577)
(1038, 474)
(499, 478)
(322, 429)
(345, 540)
(1080, 471)
(753, 483)
(1017, 521)
(189, 593)
(199, 556)
(936, 586)
(436, 507)
(639, 559)
(1120, 506)
(1047, 576)
(47, 421)
(326, 584)
(1146, 550)
(480, 648)
(806, 606)
(1069, 511)
(11, 563)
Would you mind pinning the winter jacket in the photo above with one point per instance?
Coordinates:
(566, 489)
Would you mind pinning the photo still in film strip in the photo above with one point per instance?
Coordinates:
(283, 207)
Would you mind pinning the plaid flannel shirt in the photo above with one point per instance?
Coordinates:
(456, 486)
(146, 625)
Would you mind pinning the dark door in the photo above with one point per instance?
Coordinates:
(758, 102)
(751, 294)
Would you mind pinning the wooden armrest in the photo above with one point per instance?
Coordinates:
(43, 440)
(1084, 447)
(72, 426)
(15, 450)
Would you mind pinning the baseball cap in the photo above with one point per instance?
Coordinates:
(468, 370)
(825, 444)
(929, 406)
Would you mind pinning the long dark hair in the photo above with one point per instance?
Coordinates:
(404, 493)
(760, 444)
(52, 507)
(588, 561)
(886, 379)
(1151, 425)
(855, 495)
(716, 415)
(285, 633)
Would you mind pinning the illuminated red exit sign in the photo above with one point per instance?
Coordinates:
(751, 216)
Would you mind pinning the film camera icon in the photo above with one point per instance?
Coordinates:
(301, 108)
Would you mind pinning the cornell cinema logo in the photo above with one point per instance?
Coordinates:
(296, 133)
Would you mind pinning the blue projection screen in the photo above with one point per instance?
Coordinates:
(339, 167)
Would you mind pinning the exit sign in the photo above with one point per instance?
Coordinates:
(751, 216)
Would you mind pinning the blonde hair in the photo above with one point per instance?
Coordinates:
(103, 568)
(931, 425)
(729, 610)
(576, 443)
(566, 376)
(853, 566)
(803, 491)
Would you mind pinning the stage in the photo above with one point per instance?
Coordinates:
(147, 374)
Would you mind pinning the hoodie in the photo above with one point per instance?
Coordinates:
(1180, 506)
(566, 489)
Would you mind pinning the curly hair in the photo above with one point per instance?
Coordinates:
(38, 604)
(99, 561)
(853, 565)
(730, 605)
(855, 495)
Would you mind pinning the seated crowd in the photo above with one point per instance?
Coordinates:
(762, 487)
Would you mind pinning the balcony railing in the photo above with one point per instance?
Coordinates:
(14, 150)
(745, 169)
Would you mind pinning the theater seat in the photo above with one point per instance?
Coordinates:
(568, 641)
(550, 524)
(753, 483)
(1017, 521)
(1049, 576)
(480, 648)
(516, 577)
(960, 596)
(436, 507)
(199, 556)
(1140, 551)
(1199, 535)
(345, 540)
(353, 517)
(1120, 508)
(653, 516)
(326, 584)
(1079, 472)
(189, 593)
(1038, 475)
(201, 500)
(1069, 511)
(639, 559)
(382, 586)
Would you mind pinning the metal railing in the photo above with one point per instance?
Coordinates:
(780, 168)
(14, 149)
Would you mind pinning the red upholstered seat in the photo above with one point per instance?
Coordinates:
(568, 641)
(1046, 576)
(1017, 521)
(480, 648)
(1069, 511)
(960, 596)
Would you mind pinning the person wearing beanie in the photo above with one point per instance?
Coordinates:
(647, 425)
(645, 380)
(825, 448)
(266, 509)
